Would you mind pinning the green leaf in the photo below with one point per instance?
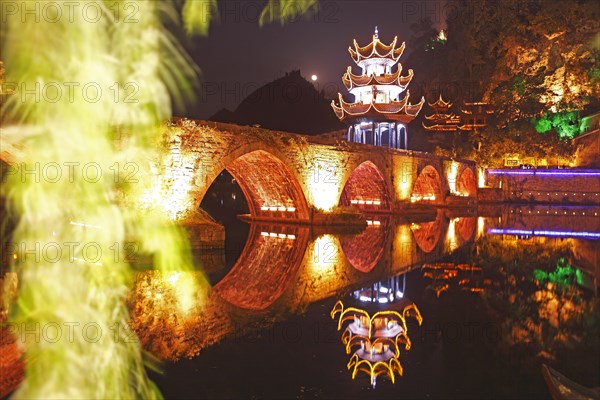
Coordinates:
(197, 16)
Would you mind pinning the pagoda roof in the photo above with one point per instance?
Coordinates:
(479, 106)
(438, 116)
(350, 80)
(395, 110)
(440, 103)
(376, 49)
(477, 103)
(469, 112)
(440, 127)
(470, 127)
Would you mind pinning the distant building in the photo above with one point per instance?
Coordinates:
(475, 116)
(380, 112)
(472, 116)
(441, 119)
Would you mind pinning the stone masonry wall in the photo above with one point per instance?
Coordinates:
(313, 177)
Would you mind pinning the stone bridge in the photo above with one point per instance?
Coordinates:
(296, 178)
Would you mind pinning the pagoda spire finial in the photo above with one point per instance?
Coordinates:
(376, 35)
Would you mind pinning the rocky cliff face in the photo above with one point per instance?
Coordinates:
(527, 58)
(555, 71)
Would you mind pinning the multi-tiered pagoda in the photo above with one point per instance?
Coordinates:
(442, 118)
(381, 111)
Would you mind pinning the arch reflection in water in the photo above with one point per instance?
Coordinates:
(376, 338)
(427, 234)
(266, 267)
(365, 249)
(466, 227)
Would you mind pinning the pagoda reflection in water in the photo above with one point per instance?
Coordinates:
(386, 291)
(374, 339)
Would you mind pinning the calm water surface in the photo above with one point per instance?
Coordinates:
(500, 291)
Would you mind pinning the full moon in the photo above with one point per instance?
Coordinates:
(314, 77)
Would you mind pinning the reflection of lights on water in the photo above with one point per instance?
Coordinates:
(386, 291)
(278, 235)
(325, 253)
(480, 226)
(417, 197)
(451, 235)
(494, 231)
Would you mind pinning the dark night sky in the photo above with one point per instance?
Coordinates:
(238, 56)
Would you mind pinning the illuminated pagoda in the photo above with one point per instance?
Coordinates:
(475, 115)
(380, 112)
(442, 118)
(375, 340)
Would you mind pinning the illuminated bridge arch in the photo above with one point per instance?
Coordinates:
(271, 189)
(467, 183)
(366, 189)
(428, 187)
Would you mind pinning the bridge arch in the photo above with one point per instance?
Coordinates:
(428, 186)
(267, 266)
(364, 250)
(366, 189)
(427, 234)
(467, 183)
(466, 227)
(271, 189)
